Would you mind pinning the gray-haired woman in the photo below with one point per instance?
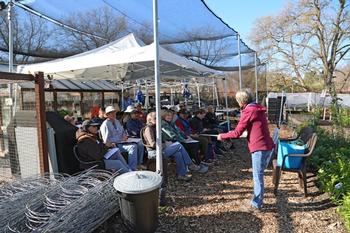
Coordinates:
(254, 120)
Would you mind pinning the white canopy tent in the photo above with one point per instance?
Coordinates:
(124, 59)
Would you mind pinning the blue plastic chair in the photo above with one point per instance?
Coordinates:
(292, 158)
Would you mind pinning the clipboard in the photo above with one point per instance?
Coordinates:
(208, 135)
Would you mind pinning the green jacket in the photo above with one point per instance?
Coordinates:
(171, 133)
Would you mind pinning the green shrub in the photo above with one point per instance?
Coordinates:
(334, 177)
(344, 211)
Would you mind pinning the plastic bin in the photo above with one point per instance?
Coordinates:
(290, 148)
(139, 199)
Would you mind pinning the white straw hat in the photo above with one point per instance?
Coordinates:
(110, 109)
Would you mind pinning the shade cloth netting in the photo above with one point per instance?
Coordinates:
(183, 23)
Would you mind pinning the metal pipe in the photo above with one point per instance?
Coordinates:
(159, 165)
(226, 103)
(213, 91)
(216, 95)
(198, 95)
(239, 61)
(171, 97)
(147, 97)
(10, 42)
(256, 79)
(122, 107)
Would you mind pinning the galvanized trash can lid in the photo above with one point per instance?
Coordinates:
(137, 182)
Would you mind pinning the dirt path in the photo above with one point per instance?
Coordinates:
(215, 202)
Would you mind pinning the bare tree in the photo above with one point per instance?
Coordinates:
(310, 36)
(102, 22)
(30, 36)
(209, 52)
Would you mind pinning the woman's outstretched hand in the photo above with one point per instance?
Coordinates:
(219, 137)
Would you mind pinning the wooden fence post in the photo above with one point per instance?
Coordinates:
(41, 122)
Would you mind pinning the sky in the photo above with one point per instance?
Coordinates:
(240, 15)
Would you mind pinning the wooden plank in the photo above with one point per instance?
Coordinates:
(41, 122)
(16, 77)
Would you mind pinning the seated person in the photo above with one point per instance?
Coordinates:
(140, 115)
(196, 124)
(133, 125)
(113, 132)
(94, 111)
(210, 121)
(170, 133)
(101, 116)
(90, 148)
(170, 149)
(183, 124)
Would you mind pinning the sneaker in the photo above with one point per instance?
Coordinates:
(203, 169)
(141, 167)
(194, 167)
(184, 178)
(208, 162)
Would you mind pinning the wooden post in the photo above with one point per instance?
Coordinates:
(82, 112)
(21, 106)
(54, 105)
(2, 141)
(41, 122)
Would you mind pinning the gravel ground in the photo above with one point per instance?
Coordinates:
(216, 202)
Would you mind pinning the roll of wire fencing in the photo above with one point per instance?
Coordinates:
(15, 195)
(79, 204)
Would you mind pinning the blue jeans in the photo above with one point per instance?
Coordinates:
(140, 152)
(117, 163)
(181, 157)
(132, 154)
(260, 161)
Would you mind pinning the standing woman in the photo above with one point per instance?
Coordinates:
(254, 121)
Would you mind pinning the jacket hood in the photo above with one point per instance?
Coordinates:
(83, 135)
(255, 107)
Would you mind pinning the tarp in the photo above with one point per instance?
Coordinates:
(311, 99)
(123, 59)
(183, 26)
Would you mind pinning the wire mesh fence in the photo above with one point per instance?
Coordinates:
(58, 203)
(18, 135)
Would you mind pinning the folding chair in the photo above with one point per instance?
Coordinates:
(87, 164)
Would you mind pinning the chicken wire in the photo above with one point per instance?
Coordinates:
(79, 204)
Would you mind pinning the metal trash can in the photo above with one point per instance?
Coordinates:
(139, 199)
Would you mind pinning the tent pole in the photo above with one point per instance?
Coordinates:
(122, 107)
(226, 103)
(216, 95)
(171, 97)
(256, 79)
(239, 61)
(147, 97)
(213, 92)
(159, 160)
(10, 86)
(267, 91)
(199, 98)
(281, 107)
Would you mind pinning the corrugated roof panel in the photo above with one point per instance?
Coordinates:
(76, 85)
(93, 86)
(57, 84)
(81, 85)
